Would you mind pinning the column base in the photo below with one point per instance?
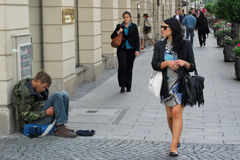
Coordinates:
(111, 61)
(7, 121)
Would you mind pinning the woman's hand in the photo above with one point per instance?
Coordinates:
(173, 65)
(136, 53)
(120, 30)
(183, 63)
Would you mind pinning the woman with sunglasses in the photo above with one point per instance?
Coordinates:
(174, 57)
(127, 51)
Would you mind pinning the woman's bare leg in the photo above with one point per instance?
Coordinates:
(177, 126)
(142, 43)
(169, 117)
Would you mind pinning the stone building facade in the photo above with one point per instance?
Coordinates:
(69, 39)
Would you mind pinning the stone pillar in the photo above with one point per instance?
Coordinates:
(59, 45)
(34, 21)
(109, 22)
(14, 19)
(134, 11)
(156, 20)
(164, 9)
(123, 5)
(146, 7)
(90, 38)
(174, 6)
(160, 17)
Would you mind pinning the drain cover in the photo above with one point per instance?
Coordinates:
(93, 115)
(91, 111)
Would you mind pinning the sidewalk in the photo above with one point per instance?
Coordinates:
(139, 115)
(133, 125)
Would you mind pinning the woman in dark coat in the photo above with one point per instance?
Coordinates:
(174, 57)
(127, 51)
(202, 26)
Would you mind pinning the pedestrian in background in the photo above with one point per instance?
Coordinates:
(189, 21)
(193, 12)
(147, 31)
(183, 13)
(178, 15)
(174, 57)
(202, 27)
(127, 51)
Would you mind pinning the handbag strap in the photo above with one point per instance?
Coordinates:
(48, 129)
(195, 72)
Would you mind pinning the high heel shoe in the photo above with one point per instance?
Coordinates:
(173, 154)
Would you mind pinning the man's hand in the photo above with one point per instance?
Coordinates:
(50, 111)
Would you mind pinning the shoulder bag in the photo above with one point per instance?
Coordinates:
(116, 41)
(193, 89)
(155, 83)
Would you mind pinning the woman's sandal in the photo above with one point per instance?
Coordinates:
(173, 154)
(178, 145)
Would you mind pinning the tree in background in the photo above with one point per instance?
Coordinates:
(229, 10)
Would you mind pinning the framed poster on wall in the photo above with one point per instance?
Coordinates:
(25, 61)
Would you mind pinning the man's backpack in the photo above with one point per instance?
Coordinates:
(39, 130)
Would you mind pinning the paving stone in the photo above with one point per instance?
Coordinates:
(137, 127)
(111, 149)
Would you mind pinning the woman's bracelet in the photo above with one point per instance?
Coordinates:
(186, 65)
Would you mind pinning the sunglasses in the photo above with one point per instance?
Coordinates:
(164, 27)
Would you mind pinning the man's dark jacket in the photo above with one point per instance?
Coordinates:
(28, 101)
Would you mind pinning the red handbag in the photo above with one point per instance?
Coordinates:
(116, 41)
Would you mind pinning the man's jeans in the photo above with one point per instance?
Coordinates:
(190, 31)
(60, 103)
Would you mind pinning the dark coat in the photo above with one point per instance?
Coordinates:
(28, 101)
(132, 37)
(180, 17)
(202, 25)
(158, 58)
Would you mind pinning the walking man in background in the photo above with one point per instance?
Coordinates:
(190, 22)
(178, 15)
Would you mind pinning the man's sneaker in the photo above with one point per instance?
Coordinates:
(62, 131)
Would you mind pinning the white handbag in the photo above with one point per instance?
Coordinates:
(155, 83)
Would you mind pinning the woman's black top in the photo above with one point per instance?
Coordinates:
(132, 37)
(202, 25)
(158, 57)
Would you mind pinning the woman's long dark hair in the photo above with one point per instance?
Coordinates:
(202, 16)
(177, 34)
(128, 13)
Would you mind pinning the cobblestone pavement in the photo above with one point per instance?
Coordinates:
(52, 147)
(133, 125)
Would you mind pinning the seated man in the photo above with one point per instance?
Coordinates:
(34, 106)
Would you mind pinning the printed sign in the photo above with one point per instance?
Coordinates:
(25, 53)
